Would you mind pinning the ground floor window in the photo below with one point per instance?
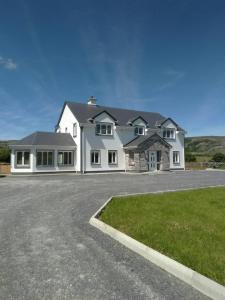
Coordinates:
(112, 157)
(65, 158)
(176, 157)
(45, 158)
(23, 158)
(95, 157)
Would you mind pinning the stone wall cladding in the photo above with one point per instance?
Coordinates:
(141, 156)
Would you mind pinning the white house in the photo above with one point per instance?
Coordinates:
(94, 138)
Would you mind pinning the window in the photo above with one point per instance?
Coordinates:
(45, 158)
(95, 157)
(139, 130)
(104, 129)
(176, 157)
(23, 158)
(65, 158)
(169, 133)
(112, 157)
(74, 129)
(131, 159)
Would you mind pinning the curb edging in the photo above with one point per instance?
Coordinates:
(205, 285)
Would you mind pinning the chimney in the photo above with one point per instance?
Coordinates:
(91, 101)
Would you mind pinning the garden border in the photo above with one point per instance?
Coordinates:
(205, 285)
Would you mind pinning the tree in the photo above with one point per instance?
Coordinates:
(218, 157)
(4, 154)
(189, 157)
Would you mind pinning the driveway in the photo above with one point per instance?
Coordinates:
(48, 250)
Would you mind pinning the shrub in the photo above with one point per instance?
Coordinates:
(190, 157)
(218, 157)
(4, 154)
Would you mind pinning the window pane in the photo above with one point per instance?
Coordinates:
(114, 157)
(98, 128)
(39, 158)
(140, 130)
(70, 158)
(50, 158)
(110, 157)
(92, 157)
(19, 156)
(103, 127)
(60, 158)
(45, 158)
(65, 158)
(96, 157)
(109, 129)
(136, 130)
(26, 158)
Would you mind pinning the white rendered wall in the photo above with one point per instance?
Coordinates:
(177, 145)
(121, 136)
(67, 121)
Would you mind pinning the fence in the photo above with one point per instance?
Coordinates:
(4, 168)
(204, 165)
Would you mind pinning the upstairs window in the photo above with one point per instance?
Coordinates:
(74, 129)
(168, 133)
(23, 158)
(104, 129)
(139, 130)
(112, 157)
(95, 157)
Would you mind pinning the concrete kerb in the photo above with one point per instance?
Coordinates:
(205, 285)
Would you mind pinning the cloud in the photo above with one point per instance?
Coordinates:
(172, 76)
(7, 63)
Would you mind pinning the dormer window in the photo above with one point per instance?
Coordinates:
(104, 129)
(139, 130)
(169, 133)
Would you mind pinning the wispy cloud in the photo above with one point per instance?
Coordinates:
(172, 78)
(7, 63)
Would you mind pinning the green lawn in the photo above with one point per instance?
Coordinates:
(188, 226)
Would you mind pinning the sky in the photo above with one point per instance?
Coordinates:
(166, 56)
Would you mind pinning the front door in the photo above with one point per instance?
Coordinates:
(152, 161)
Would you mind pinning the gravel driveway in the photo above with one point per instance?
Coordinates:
(48, 250)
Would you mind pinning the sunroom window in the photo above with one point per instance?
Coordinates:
(104, 129)
(23, 158)
(65, 158)
(45, 158)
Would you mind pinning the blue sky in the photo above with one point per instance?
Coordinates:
(164, 55)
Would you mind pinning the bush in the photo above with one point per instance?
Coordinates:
(190, 157)
(218, 157)
(4, 154)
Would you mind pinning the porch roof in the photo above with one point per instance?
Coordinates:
(41, 138)
(140, 139)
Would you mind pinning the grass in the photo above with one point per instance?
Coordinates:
(188, 226)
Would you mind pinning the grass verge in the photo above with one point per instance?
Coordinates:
(187, 226)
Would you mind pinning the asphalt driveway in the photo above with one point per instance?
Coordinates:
(48, 250)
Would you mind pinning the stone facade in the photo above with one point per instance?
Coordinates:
(137, 159)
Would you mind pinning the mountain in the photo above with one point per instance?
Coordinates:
(4, 144)
(205, 144)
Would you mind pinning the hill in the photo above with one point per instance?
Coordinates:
(205, 145)
(4, 144)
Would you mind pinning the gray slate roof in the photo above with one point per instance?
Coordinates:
(137, 141)
(46, 139)
(84, 112)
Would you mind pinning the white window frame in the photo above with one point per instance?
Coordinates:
(115, 162)
(95, 162)
(176, 157)
(137, 129)
(22, 165)
(169, 133)
(100, 131)
(74, 129)
(42, 158)
(61, 164)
